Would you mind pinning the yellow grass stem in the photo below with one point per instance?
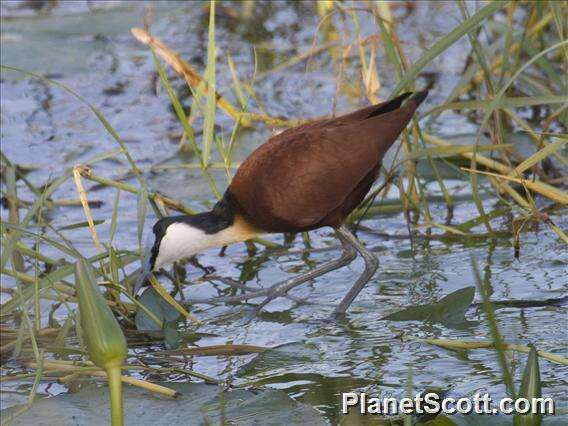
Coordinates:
(448, 229)
(197, 83)
(537, 157)
(542, 188)
(216, 350)
(480, 159)
(166, 296)
(149, 386)
(69, 367)
(558, 231)
(87, 173)
(85, 203)
(487, 162)
(68, 378)
(484, 344)
(191, 76)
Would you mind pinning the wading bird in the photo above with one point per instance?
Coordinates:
(304, 178)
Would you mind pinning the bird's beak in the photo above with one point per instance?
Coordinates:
(145, 272)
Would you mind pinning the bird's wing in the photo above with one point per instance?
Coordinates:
(297, 178)
(292, 183)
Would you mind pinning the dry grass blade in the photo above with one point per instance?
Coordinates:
(87, 173)
(166, 296)
(542, 188)
(558, 232)
(216, 350)
(197, 83)
(191, 76)
(537, 157)
(446, 228)
(484, 344)
(487, 162)
(295, 60)
(149, 386)
(484, 161)
(51, 366)
(83, 197)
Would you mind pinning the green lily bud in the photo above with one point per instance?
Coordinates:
(102, 334)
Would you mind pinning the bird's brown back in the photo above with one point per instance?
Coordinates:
(315, 174)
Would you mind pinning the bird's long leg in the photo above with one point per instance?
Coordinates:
(349, 253)
(371, 265)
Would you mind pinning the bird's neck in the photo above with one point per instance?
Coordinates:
(185, 236)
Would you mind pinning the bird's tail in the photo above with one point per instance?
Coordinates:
(394, 104)
(384, 128)
(418, 97)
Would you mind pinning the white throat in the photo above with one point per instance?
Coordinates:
(182, 241)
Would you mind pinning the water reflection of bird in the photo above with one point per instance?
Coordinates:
(304, 178)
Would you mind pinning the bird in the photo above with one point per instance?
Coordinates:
(307, 177)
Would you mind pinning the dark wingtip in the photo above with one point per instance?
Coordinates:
(419, 97)
(389, 106)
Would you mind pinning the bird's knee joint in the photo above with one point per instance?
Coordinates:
(372, 263)
(350, 254)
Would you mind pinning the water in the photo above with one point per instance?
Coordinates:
(93, 52)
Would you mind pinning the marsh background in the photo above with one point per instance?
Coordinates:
(288, 61)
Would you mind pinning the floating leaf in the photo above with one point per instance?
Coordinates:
(281, 357)
(172, 336)
(450, 310)
(159, 307)
(200, 404)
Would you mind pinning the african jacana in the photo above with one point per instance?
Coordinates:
(304, 178)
